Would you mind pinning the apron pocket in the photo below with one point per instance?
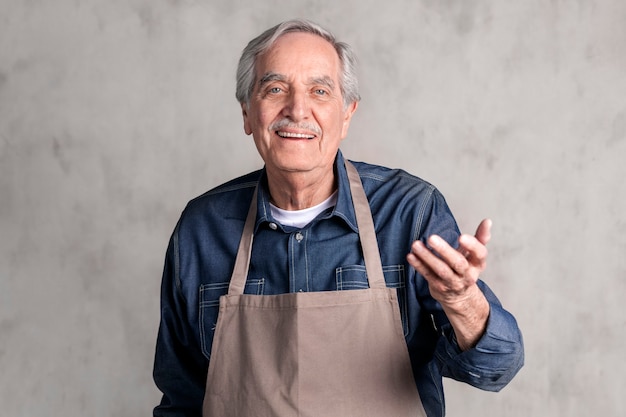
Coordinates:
(354, 277)
(209, 307)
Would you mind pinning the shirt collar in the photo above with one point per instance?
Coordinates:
(344, 208)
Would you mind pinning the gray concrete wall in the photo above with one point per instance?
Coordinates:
(114, 113)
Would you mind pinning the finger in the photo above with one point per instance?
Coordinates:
(443, 259)
(436, 285)
(452, 257)
(483, 232)
(420, 266)
(475, 252)
(472, 247)
(424, 260)
(440, 276)
(423, 267)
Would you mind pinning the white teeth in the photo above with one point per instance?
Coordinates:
(294, 135)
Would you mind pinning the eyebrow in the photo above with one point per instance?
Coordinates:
(272, 76)
(326, 81)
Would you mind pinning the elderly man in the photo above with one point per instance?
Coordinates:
(317, 286)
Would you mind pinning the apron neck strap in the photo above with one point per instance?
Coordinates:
(364, 221)
(367, 233)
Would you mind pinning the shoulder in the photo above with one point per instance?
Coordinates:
(245, 182)
(231, 198)
(393, 182)
(397, 197)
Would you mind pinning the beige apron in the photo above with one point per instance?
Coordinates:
(312, 354)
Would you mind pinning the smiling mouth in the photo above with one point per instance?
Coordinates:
(283, 134)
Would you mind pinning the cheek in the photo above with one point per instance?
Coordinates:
(253, 120)
(255, 125)
(264, 119)
(340, 126)
(329, 120)
(259, 117)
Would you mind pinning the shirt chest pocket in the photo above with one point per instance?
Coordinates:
(209, 307)
(353, 277)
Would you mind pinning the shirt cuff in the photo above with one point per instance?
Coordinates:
(495, 359)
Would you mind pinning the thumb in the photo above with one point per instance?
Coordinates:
(483, 232)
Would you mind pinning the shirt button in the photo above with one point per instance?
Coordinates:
(273, 226)
(299, 236)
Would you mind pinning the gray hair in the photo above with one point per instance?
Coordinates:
(246, 76)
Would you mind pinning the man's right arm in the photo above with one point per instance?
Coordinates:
(179, 366)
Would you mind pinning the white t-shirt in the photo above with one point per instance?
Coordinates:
(300, 218)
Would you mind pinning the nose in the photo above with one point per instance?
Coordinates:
(297, 106)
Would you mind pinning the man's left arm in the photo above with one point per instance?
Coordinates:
(484, 336)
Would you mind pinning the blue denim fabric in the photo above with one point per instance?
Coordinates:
(323, 256)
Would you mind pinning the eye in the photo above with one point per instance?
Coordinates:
(274, 90)
(321, 92)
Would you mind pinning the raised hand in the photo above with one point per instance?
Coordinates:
(452, 275)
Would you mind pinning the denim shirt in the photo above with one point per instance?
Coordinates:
(325, 255)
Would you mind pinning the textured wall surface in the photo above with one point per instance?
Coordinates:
(113, 114)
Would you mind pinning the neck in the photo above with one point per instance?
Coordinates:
(298, 190)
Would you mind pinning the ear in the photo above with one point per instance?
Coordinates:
(246, 121)
(348, 112)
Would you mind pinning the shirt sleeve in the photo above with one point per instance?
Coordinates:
(179, 366)
(496, 358)
(499, 354)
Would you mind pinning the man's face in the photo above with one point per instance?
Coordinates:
(296, 113)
